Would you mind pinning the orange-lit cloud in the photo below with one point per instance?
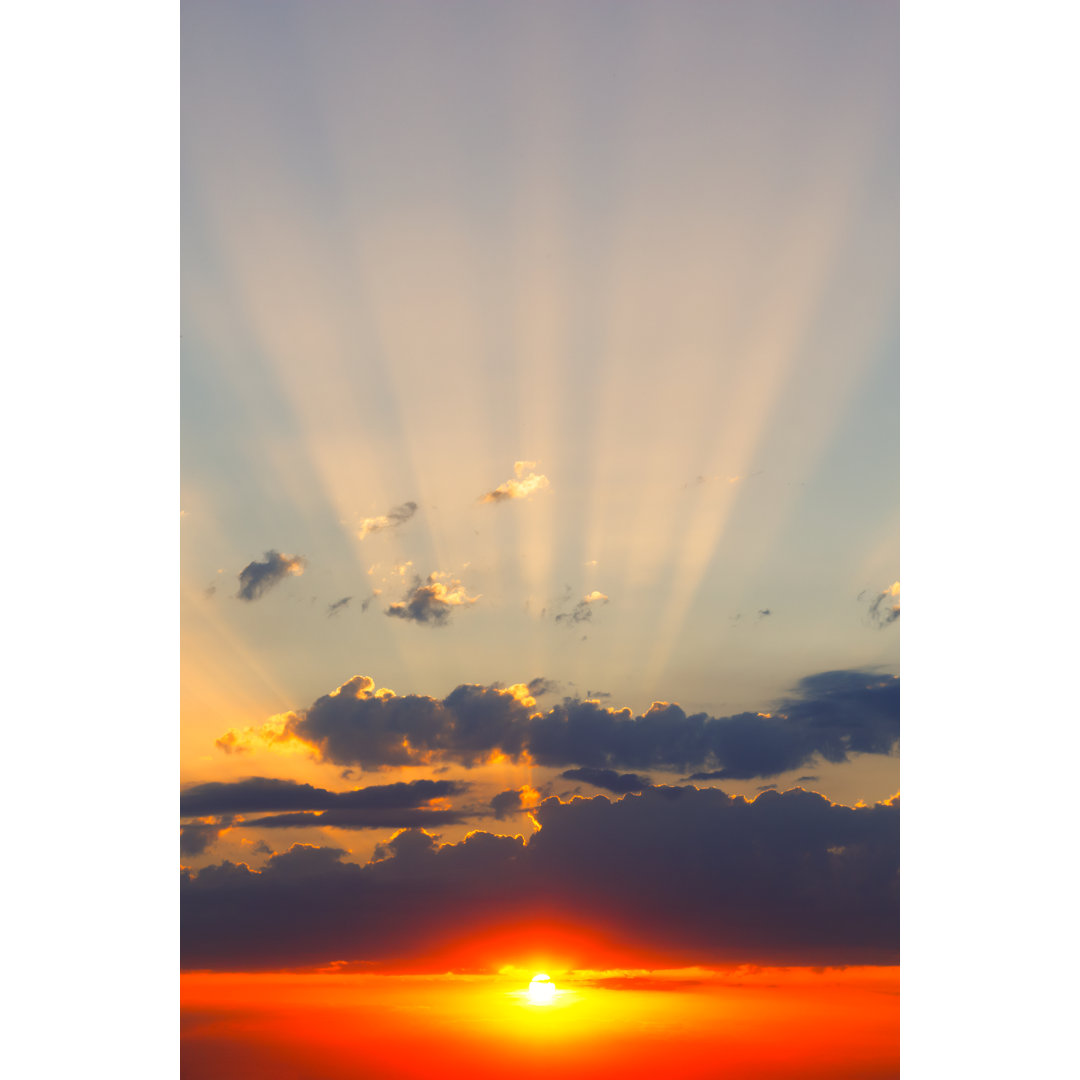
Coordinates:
(395, 517)
(431, 602)
(274, 734)
(524, 483)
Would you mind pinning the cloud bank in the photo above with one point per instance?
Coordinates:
(668, 877)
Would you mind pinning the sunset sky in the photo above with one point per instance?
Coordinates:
(540, 562)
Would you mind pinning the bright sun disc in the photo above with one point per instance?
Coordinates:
(541, 990)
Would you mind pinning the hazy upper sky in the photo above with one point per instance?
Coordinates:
(568, 328)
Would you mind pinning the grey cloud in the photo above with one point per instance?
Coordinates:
(257, 577)
(338, 605)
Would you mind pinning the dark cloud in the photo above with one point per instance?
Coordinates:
(373, 818)
(832, 715)
(431, 602)
(609, 780)
(337, 606)
(257, 577)
(260, 793)
(670, 877)
(802, 779)
(198, 837)
(762, 612)
(539, 687)
(393, 518)
(506, 804)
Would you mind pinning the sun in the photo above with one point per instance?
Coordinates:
(541, 990)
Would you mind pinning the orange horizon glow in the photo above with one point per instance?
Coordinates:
(749, 1021)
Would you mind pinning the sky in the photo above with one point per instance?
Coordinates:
(540, 498)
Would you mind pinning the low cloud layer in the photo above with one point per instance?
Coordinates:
(668, 877)
(393, 518)
(257, 577)
(831, 715)
(431, 602)
(523, 484)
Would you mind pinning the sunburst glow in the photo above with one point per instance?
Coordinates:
(542, 991)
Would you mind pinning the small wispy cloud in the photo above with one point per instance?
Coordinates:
(394, 517)
(338, 605)
(524, 483)
(433, 601)
(583, 609)
(257, 577)
(885, 607)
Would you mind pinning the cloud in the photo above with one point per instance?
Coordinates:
(198, 837)
(337, 606)
(763, 612)
(665, 878)
(524, 484)
(582, 611)
(261, 793)
(833, 715)
(257, 577)
(885, 607)
(539, 686)
(609, 780)
(375, 818)
(394, 517)
(515, 801)
(431, 602)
